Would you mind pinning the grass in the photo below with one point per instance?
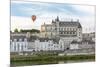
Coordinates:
(47, 59)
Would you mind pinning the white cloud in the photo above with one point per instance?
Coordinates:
(88, 23)
(27, 23)
(85, 8)
(21, 22)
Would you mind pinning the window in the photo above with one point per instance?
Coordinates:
(25, 46)
(20, 39)
(61, 46)
(74, 32)
(67, 32)
(67, 48)
(51, 28)
(25, 39)
(67, 29)
(74, 29)
(61, 32)
(61, 29)
(70, 32)
(18, 46)
(55, 28)
(64, 29)
(15, 39)
(49, 45)
(14, 47)
(22, 47)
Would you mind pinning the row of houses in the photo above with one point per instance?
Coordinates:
(21, 43)
(34, 43)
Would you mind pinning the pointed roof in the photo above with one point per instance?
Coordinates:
(57, 19)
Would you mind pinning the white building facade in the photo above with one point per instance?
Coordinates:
(32, 43)
(48, 45)
(18, 45)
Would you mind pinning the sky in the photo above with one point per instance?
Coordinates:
(22, 11)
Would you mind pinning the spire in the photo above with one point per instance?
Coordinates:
(57, 19)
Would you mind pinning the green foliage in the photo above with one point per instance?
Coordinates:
(51, 58)
(16, 30)
(47, 59)
(31, 31)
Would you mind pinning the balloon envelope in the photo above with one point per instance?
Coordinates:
(33, 18)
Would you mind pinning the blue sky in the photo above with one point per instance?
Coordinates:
(45, 12)
(22, 9)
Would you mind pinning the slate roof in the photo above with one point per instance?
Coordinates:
(85, 41)
(75, 42)
(90, 42)
(17, 38)
(32, 38)
(47, 39)
(67, 23)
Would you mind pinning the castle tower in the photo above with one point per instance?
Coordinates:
(57, 26)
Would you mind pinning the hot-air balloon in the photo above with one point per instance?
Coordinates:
(33, 18)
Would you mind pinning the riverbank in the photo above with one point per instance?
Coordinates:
(48, 59)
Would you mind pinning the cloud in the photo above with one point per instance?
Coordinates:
(88, 23)
(21, 23)
(26, 9)
(27, 23)
(85, 8)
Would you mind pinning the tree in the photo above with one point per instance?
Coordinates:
(31, 31)
(16, 30)
(10, 31)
